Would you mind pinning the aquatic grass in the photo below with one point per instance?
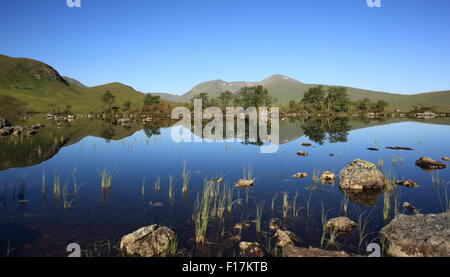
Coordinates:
(316, 176)
(380, 163)
(436, 179)
(324, 220)
(43, 183)
(65, 193)
(57, 186)
(308, 205)
(285, 204)
(201, 213)
(172, 248)
(185, 177)
(157, 186)
(229, 196)
(259, 213)
(171, 192)
(386, 205)
(106, 178)
(248, 173)
(394, 161)
(362, 225)
(344, 205)
(274, 198)
(143, 188)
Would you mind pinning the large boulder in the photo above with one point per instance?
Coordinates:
(294, 251)
(429, 164)
(148, 241)
(417, 235)
(361, 175)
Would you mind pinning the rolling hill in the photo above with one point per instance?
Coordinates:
(30, 85)
(284, 89)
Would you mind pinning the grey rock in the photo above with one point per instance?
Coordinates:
(293, 251)
(417, 235)
(148, 241)
(361, 175)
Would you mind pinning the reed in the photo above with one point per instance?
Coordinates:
(386, 205)
(308, 205)
(259, 213)
(436, 179)
(172, 248)
(185, 177)
(248, 173)
(43, 183)
(157, 186)
(57, 186)
(324, 220)
(274, 198)
(171, 192)
(65, 194)
(316, 176)
(229, 195)
(362, 225)
(201, 213)
(394, 161)
(143, 187)
(285, 204)
(380, 163)
(106, 179)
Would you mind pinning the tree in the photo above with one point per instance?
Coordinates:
(225, 98)
(363, 105)
(256, 96)
(380, 106)
(150, 99)
(315, 96)
(337, 99)
(108, 99)
(202, 96)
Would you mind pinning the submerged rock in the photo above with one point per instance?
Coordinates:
(300, 175)
(327, 177)
(446, 159)
(399, 148)
(410, 208)
(274, 224)
(340, 225)
(293, 251)
(311, 187)
(366, 198)
(361, 175)
(242, 183)
(250, 249)
(306, 144)
(429, 164)
(372, 149)
(417, 235)
(148, 241)
(407, 183)
(241, 226)
(301, 153)
(285, 238)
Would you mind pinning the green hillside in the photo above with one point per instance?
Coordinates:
(34, 86)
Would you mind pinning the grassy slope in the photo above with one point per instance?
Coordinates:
(20, 87)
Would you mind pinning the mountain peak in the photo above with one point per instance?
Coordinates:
(279, 77)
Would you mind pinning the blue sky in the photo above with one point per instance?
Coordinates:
(171, 45)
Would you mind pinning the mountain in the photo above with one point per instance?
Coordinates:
(284, 89)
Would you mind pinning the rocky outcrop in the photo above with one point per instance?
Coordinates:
(340, 225)
(250, 249)
(293, 251)
(361, 175)
(427, 163)
(417, 235)
(148, 241)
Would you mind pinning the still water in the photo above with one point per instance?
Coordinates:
(34, 222)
